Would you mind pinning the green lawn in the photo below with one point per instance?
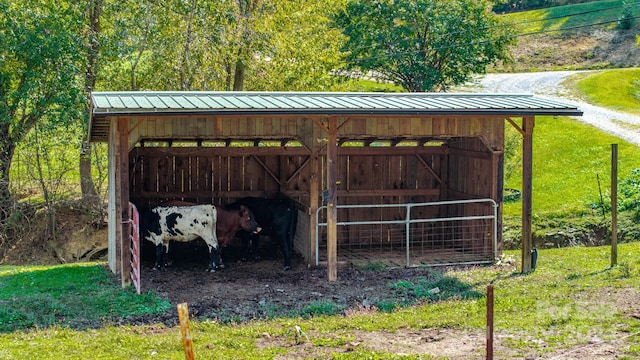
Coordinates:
(571, 165)
(617, 89)
(77, 295)
(571, 299)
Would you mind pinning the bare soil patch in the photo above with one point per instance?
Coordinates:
(259, 289)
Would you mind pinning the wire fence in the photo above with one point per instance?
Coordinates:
(413, 234)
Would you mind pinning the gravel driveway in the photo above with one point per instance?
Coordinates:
(548, 84)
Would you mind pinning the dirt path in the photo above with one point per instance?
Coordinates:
(550, 84)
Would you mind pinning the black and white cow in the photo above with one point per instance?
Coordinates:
(163, 224)
(278, 219)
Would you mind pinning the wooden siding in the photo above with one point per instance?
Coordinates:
(490, 130)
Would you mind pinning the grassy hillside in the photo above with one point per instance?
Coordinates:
(571, 17)
(584, 33)
(568, 159)
(614, 89)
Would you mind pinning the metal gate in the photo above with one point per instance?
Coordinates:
(134, 237)
(414, 234)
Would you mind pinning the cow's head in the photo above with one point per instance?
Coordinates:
(248, 221)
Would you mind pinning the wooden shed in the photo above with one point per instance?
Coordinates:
(417, 176)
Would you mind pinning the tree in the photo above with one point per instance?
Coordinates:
(219, 45)
(422, 45)
(38, 73)
(93, 15)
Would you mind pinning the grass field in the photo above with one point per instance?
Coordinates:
(615, 89)
(571, 160)
(570, 16)
(571, 299)
(571, 165)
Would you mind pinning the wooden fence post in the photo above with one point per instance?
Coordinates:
(185, 328)
(614, 204)
(489, 322)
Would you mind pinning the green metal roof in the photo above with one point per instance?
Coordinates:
(105, 104)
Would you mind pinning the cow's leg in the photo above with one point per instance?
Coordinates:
(286, 250)
(254, 239)
(288, 238)
(218, 259)
(215, 261)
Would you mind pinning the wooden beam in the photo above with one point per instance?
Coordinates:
(267, 169)
(429, 168)
(344, 123)
(332, 212)
(320, 124)
(298, 170)
(314, 198)
(527, 180)
(513, 123)
(225, 151)
(122, 159)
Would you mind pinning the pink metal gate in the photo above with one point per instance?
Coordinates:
(134, 236)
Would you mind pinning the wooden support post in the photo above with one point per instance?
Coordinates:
(122, 165)
(489, 322)
(527, 179)
(314, 201)
(185, 329)
(614, 204)
(332, 212)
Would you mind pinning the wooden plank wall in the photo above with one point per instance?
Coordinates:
(212, 175)
(470, 177)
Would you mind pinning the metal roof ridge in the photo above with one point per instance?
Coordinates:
(307, 93)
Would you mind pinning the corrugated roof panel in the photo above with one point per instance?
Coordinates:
(480, 104)
(198, 102)
(169, 102)
(510, 103)
(339, 104)
(301, 102)
(143, 101)
(183, 102)
(275, 102)
(295, 102)
(129, 102)
(115, 102)
(224, 103)
(209, 102)
(317, 102)
(380, 102)
(100, 102)
(421, 103)
(253, 102)
(354, 102)
(235, 103)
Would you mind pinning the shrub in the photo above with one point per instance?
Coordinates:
(626, 19)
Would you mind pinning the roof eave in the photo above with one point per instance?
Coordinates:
(343, 112)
